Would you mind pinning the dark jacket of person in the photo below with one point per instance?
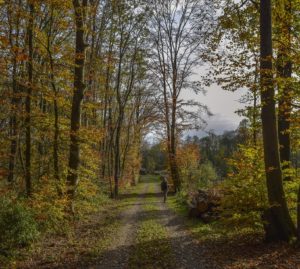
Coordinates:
(164, 185)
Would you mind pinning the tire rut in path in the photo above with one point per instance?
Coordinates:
(116, 256)
(188, 252)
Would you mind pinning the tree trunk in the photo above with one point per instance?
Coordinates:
(254, 117)
(28, 104)
(106, 114)
(255, 113)
(173, 155)
(174, 166)
(170, 127)
(117, 159)
(55, 108)
(279, 223)
(298, 215)
(15, 102)
(79, 86)
(55, 144)
(110, 147)
(284, 72)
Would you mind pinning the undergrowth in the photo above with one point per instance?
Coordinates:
(211, 232)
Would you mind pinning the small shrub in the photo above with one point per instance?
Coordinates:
(18, 227)
(245, 189)
(207, 175)
(182, 197)
(49, 208)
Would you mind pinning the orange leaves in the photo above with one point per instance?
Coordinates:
(4, 41)
(21, 57)
(188, 156)
(19, 54)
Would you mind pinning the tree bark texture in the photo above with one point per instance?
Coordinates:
(28, 182)
(279, 225)
(284, 73)
(72, 179)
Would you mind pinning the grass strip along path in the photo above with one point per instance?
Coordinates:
(161, 239)
(152, 248)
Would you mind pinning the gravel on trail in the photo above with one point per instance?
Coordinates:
(118, 253)
(186, 250)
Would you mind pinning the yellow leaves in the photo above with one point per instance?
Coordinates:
(91, 134)
(61, 5)
(188, 156)
(245, 187)
(48, 206)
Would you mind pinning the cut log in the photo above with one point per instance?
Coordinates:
(202, 206)
(205, 205)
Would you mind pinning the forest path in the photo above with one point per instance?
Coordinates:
(117, 254)
(188, 251)
(152, 236)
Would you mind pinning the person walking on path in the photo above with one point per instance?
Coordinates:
(164, 187)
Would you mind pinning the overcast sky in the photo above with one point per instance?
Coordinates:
(223, 105)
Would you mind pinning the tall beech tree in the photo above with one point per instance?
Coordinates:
(284, 64)
(179, 34)
(13, 34)
(30, 32)
(55, 91)
(279, 223)
(79, 86)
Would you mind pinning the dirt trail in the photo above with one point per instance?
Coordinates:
(186, 251)
(117, 254)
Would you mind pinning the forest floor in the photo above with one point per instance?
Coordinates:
(140, 231)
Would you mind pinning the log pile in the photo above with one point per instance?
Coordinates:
(205, 205)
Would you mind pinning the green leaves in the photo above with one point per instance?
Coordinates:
(18, 227)
(245, 188)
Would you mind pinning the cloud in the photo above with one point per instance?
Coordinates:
(216, 124)
(219, 124)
